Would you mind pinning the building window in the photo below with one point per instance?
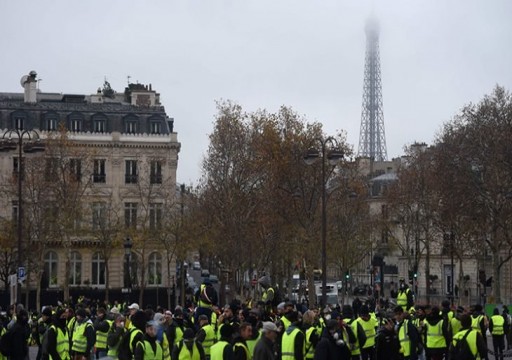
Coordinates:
(15, 212)
(155, 176)
(51, 124)
(99, 175)
(76, 269)
(51, 262)
(155, 269)
(19, 123)
(98, 215)
(155, 127)
(131, 127)
(130, 214)
(131, 172)
(75, 169)
(100, 125)
(76, 125)
(16, 167)
(155, 216)
(98, 270)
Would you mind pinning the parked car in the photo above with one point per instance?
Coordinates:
(196, 265)
(205, 273)
(214, 279)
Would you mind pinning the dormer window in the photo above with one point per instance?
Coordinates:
(18, 123)
(76, 125)
(99, 123)
(156, 127)
(131, 127)
(51, 124)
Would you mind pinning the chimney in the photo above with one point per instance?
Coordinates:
(29, 83)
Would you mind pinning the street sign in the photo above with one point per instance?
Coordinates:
(21, 272)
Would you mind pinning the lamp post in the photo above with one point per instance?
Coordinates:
(127, 258)
(34, 145)
(450, 237)
(328, 152)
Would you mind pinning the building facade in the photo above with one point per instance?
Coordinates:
(122, 152)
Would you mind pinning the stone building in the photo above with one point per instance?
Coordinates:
(125, 156)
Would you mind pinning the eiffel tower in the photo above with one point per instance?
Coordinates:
(372, 139)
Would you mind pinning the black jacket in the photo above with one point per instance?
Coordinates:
(387, 346)
(328, 349)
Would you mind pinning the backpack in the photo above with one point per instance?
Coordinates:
(124, 351)
(461, 350)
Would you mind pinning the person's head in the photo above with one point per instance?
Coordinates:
(445, 304)
(46, 314)
(308, 318)
(81, 314)
(119, 320)
(399, 313)
(228, 312)
(168, 316)
(478, 308)
(270, 330)
(133, 308)
(60, 318)
(288, 307)
(203, 320)
(226, 331)
(139, 319)
(152, 328)
(178, 313)
(402, 284)
(364, 312)
(101, 313)
(496, 311)
(245, 330)
(332, 326)
(465, 321)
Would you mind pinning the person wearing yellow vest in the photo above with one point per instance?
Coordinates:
(311, 335)
(83, 336)
(475, 340)
(497, 329)
(148, 348)
(407, 335)
(369, 325)
(206, 334)
(135, 333)
(101, 325)
(455, 324)
(222, 349)
(267, 297)
(57, 339)
(479, 320)
(240, 349)
(177, 327)
(347, 313)
(293, 345)
(437, 335)
(43, 323)
(227, 317)
(206, 297)
(115, 334)
(404, 297)
(265, 347)
(188, 348)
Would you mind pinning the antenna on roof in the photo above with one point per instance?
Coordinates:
(128, 77)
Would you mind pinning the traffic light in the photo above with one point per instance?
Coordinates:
(347, 275)
(411, 275)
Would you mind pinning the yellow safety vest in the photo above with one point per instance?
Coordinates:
(455, 325)
(149, 354)
(401, 299)
(355, 348)
(71, 326)
(179, 335)
(471, 339)
(101, 337)
(251, 343)
(209, 339)
(246, 349)
(310, 349)
(62, 343)
(435, 338)
(288, 345)
(264, 297)
(200, 302)
(113, 350)
(475, 323)
(403, 337)
(497, 325)
(286, 322)
(79, 339)
(369, 329)
(133, 333)
(217, 350)
(165, 347)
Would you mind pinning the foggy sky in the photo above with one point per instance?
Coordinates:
(436, 56)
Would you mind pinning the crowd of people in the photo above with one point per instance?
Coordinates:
(256, 331)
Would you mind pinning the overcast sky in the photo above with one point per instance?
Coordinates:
(436, 56)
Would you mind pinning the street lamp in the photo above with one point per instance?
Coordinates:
(328, 152)
(127, 258)
(450, 237)
(34, 144)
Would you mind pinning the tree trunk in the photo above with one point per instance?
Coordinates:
(107, 279)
